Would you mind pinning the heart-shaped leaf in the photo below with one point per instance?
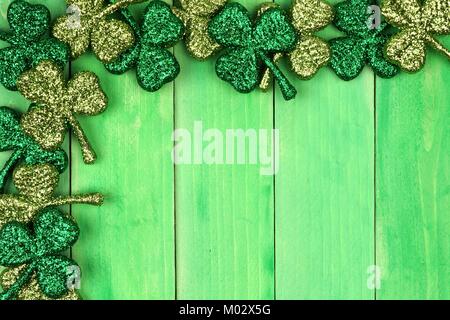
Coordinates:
(155, 68)
(16, 245)
(28, 22)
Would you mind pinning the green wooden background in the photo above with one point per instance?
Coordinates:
(364, 180)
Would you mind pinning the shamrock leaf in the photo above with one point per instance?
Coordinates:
(36, 185)
(29, 43)
(196, 15)
(39, 247)
(154, 64)
(12, 138)
(31, 290)
(362, 45)
(311, 52)
(57, 102)
(249, 46)
(417, 23)
(107, 37)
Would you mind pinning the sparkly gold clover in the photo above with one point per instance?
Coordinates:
(57, 102)
(36, 185)
(196, 15)
(108, 37)
(31, 290)
(311, 52)
(418, 24)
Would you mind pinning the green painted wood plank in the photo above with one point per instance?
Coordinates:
(324, 190)
(413, 171)
(224, 212)
(126, 249)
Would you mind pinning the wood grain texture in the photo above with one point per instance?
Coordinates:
(413, 174)
(224, 214)
(325, 189)
(126, 249)
(363, 179)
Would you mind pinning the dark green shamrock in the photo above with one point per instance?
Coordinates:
(362, 45)
(24, 147)
(29, 43)
(155, 66)
(39, 247)
(250, 46)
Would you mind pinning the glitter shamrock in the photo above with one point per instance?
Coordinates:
(12, 138)
(31, 290)
(196, 15)
(311, 52)
(250, 46)
(36, 185)
(155, 66)
(29, 42)
(107, 37)
(39, 247)
(362, 45)
(418, 24)
(57, 102)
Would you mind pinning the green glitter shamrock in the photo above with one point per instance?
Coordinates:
(36, 185)
(29, 42)
(362, 45)
(250, 46)
(418, 22)
(24, 148)
(155, 66)
(108, 37)
(196, 15)
(39, 247)
(57, 102)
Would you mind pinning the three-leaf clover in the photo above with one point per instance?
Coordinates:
(250, 46)
(417, 23)
(107, 37)
(196, 15)
(57, 102)
(39, 248)
(311, 52)
(31, 290)
(155, 66)
(36, 185)
(362, 45)
(29, 42)
(24, 148)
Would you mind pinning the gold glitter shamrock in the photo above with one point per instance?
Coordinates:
(417, 23)
(31, 290)
(108, 37)
(196, 15)
(311, 52)
(56, 102)
(36, 185)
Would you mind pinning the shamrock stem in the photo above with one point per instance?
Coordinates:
(95, 199)
(88, 153)
(267, 77)
(116, 6)
(287, 89)
(438, 46)
(24, 278)
(7, 168)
